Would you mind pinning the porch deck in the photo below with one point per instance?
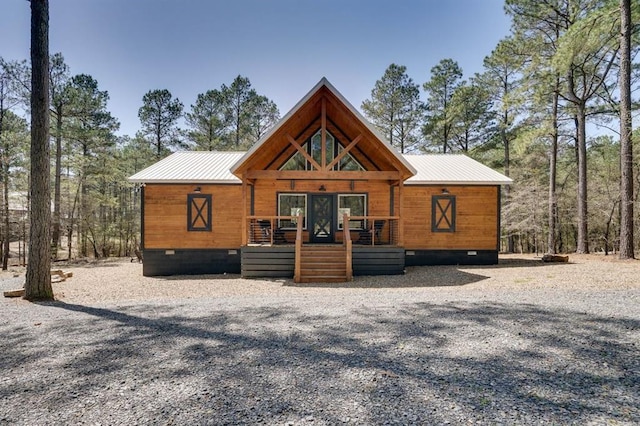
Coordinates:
(372, 249)
(278, 261)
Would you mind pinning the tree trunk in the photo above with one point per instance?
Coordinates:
(553, 160)
(626, 142)
(511, 245)
(7, 226)
(38, 279)
(4, 232)
(582, 243)
(55, 234)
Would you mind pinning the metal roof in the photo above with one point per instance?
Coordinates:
(191, 167)
(214, 167)
(452, 169)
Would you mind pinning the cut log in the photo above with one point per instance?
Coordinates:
(555, 258)
(58, 275)
(14, 293)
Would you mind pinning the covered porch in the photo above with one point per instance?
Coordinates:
(364, 245)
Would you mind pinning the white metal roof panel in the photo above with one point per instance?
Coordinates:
(191, 167)
(214, 167)
(452, 169)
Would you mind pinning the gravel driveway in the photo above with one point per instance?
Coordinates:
(516, 343)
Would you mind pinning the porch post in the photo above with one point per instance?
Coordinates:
(244, 210)
(400, 213)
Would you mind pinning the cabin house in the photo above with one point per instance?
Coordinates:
(321, 197)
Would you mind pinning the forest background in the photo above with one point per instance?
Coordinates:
(536, 113)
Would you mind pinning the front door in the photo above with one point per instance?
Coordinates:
(321, 219)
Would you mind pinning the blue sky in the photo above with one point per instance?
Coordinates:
(283, 46)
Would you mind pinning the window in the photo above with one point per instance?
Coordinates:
(353, 205)
(199, 212)
(313, 146)
(443, 213)
(292, 205)
(348, 163)
(316, 147)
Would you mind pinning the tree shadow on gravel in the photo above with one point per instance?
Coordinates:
(416, 363)
(416, 276)
(524, 262)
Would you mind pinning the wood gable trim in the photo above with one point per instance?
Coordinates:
(326, 105)
(304, 153)
(344, 152)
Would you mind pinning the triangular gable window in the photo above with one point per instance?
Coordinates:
(314, 148)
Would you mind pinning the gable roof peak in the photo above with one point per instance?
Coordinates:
(324, 82)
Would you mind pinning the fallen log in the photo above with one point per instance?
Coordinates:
(58, 275)
(14, 293)
(556, 258)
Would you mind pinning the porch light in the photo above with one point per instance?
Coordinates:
(196, 189)
(322, 188)
(445, 191)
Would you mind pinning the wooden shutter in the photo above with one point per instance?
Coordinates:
(443, 213)
(199, 212)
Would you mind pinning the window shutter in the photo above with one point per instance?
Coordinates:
(199, 212)
(443, 213)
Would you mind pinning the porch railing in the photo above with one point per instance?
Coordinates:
(267, 230)
(374, 230)
(362, 230)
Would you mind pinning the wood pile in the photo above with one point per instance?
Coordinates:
(57, 276)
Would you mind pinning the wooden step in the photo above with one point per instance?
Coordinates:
(323, 279)
(323, 264)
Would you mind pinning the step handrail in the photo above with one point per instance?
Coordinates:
(348, 245)
(298, 251)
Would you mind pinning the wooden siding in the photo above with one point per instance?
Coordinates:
(306, 121)
(476, 218)
(165, 217)
(378, 260)
(266, 200)
(268, 262)
(165, 213)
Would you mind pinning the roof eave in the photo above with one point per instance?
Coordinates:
(186, 181)
(458, 182)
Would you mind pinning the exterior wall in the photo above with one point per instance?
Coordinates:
(165, 217)
(169, 248)
(477, 218)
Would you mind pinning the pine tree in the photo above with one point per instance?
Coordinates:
(38, 278)
(395, 108)
(626, 140)
(159, 115)
(446, 77)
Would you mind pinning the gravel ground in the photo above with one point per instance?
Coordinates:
(516, 343)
